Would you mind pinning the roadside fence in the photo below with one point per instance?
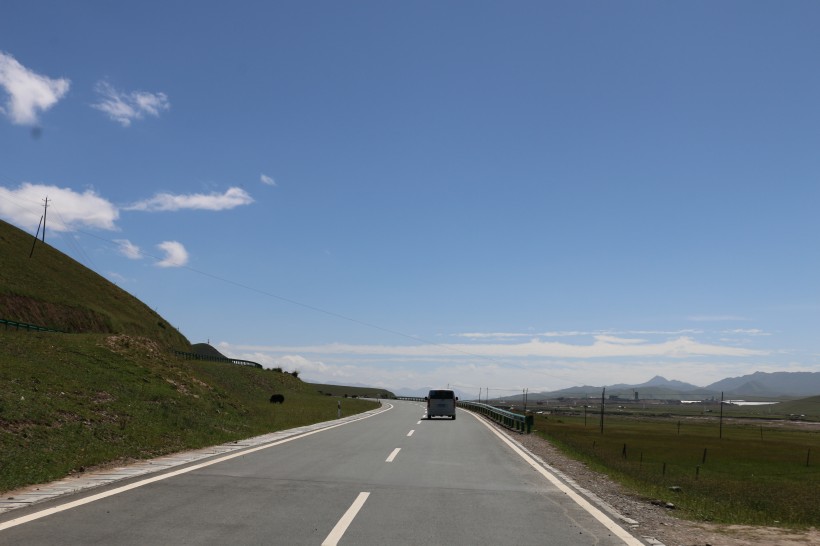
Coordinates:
(211, 358)
(11, 324)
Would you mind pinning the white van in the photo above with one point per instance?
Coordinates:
(441, 403)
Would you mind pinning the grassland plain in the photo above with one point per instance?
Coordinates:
(750, 472)
(70, 402)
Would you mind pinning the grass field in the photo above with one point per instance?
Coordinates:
(759, 473)
(346, 392)
(69, 402)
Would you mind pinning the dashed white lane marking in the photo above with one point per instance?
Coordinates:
(338, 531)
(613, 527)
(418, 423)
(393, 455)
(124, 488)
(411, 433)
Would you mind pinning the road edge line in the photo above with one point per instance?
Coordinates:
(164, 476)
(579, 499)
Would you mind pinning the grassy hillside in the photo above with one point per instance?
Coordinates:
(809, 407)
(110, 388)
(52, 290)
(73, 401)
(344, 391)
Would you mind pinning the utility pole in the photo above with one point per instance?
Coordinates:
(721, 415)
(45, 213)
(603, 394)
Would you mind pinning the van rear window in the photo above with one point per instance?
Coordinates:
(438, 395)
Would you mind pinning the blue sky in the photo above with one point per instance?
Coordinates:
(483, 194)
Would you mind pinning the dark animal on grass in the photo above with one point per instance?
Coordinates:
(277, 399)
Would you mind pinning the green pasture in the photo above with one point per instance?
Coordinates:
(69, 402)
(349, 391)
(750, 472)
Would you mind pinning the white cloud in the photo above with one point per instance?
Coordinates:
(68, 210)
(267, 180)
(129, 249)
(175, 254)
(124, 107)
(29, 92)
(118, 278)
(573, 333)
(539, 365)
(618, 340)
(492, 335)
(233, 197)
(747, 331)
(717, 318)
(511, 367)
(602, 347)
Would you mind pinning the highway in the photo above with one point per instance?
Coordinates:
(391, 478)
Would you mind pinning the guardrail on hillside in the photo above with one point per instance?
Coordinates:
(9, 324)
(509, 419)
(210, 358)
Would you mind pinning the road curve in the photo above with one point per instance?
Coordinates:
(393, 478)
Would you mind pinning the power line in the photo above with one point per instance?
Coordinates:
(310, 307)
(314, 308)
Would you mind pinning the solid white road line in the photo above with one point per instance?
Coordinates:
(411, 433)
(124, 488)
(607, 522)
(338, 531)
(393, 455)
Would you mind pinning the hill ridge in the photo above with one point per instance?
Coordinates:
(52, 290)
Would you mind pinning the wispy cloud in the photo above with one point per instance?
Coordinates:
(68, 210)
(233, 197)
(29, 93)
(573, 333)
(129, 249)
(124, 107)
(175, 254)
(470, 373)
(717, 318)
(747, 331)
(602, 347)
(267, 180)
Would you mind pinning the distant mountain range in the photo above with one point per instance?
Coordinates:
(753, 386)
(757, 385)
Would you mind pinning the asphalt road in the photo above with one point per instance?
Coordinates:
(393, 478)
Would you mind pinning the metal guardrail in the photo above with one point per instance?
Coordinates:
(9, 324)
(509, 419)
(209, 358)
(515, 421)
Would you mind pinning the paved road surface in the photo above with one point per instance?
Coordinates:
(393, 478)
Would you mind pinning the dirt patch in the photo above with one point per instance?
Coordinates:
(124, 343)
(656, 521)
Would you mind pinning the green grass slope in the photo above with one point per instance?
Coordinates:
(52, 290)
(346, 391)
(809, 407)
(111, 389)
(69, 402)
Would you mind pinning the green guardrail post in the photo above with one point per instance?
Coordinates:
(530, 422)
